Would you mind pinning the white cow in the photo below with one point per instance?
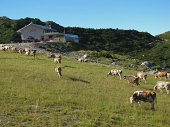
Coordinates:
(162, 85)
(6, 47)
(57, 60)
(58, 71)
(142, 75)
(114, 73)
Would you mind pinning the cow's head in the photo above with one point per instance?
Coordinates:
(131, 100)
(155, 87)
(145, 76)
(108, 74)
(156, 75)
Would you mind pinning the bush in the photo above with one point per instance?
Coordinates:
(101, 54)
(72, 46)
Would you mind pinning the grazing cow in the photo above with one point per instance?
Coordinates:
(162, 85)
(58, 71)
(161, 74)
(132, 80)
(14, 49)
(145, 96)
(142, 75)
(57, 60)
(31, 53)
(21, 51)
(82, 59)
(114, 73)
(6, 48)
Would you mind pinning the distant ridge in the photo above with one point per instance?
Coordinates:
(165, 35)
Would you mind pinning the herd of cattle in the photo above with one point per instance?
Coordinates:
(146, 96)
(32, 52)
(137, 96)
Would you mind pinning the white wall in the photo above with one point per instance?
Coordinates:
(33, 31)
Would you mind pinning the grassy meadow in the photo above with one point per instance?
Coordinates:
(31, 95)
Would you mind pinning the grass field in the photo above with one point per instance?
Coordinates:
(33, 96)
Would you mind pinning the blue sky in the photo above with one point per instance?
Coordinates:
(150, 16)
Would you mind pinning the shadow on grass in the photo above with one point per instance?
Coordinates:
(78, 80)
(68, 66)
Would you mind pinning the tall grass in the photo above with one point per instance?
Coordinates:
(32, 95)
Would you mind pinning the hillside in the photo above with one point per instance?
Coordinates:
(131, 43)
(165, 36)
(32, 95)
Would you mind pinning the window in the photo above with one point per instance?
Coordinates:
(50, 37)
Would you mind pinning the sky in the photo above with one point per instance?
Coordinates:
(152, 16)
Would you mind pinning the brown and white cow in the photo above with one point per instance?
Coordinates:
(114, 73)
(142, 75)
(161, 74)
(132, 80)
(21, 51)
(146, 96)
(162, 85)
(57, 59)
(58, 71)
(14, 49)
(31, 53)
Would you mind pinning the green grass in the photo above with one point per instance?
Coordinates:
(32, 95)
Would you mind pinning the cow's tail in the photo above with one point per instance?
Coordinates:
(166, 75)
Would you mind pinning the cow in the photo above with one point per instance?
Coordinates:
(162, 85)
(31, 53)
(6, 48)
(161, 74)
(114, 73)
(14, 49)
(57, 60)
(81, 59)
(142, 75)
(58, 71)
(146, 96)
(21, 51)
(132, 80)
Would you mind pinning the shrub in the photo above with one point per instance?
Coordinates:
(101, 54)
